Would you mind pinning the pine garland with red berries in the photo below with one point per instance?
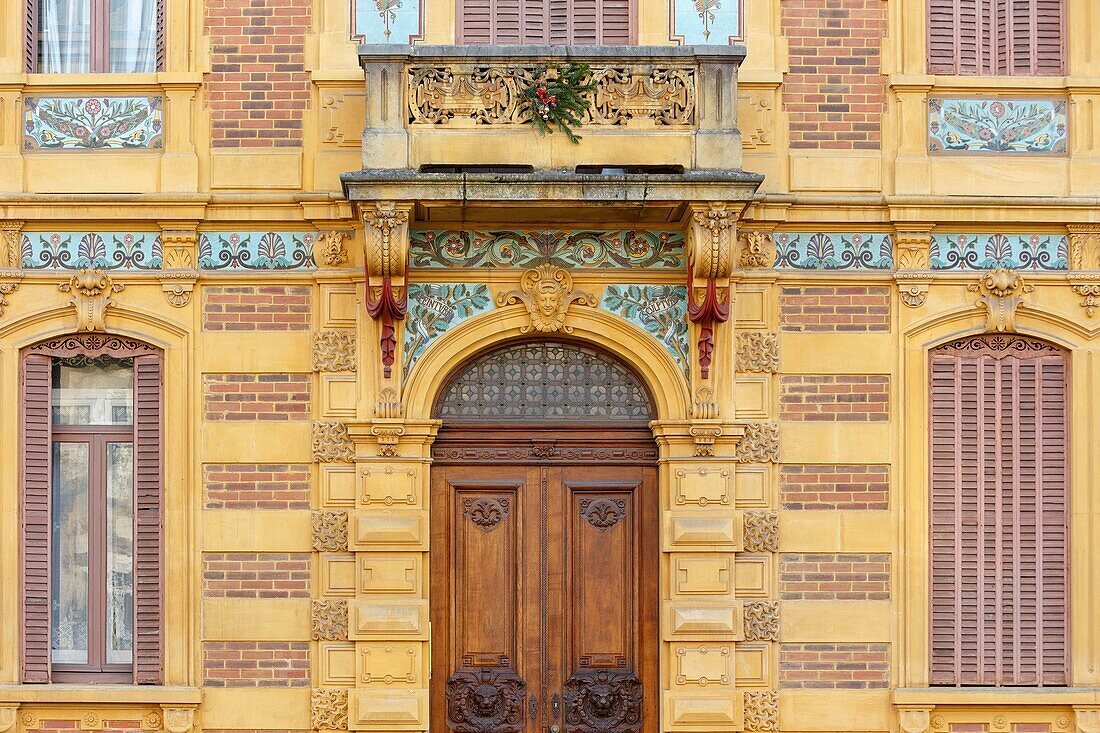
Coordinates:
(556, 97)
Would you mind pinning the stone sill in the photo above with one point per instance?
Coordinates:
(927, 697)
(100, 694)
(733, 53)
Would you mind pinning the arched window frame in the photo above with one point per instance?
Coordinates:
(36, 476)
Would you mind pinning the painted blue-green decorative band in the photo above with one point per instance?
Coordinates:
(997, 125)
(833, 251)
(100, 250)
(386, 21)
(434, 308)
(661, 310)
(622, 248)
(700, 22)
(93, 123)
(990, 251)
(257, 250)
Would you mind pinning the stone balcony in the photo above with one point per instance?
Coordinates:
(446, 126)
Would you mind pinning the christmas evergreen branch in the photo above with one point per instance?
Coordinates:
(557, 97)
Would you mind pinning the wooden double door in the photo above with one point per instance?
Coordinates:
(544, 586)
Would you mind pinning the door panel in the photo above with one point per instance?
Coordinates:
(544, 598)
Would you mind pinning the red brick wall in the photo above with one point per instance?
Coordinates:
(828, 398)
(265, 397)
(257, 87)
(827, 309)
(834, 577)
(834, 666)
(255, 575)
(248, 308)
(255, 664)
(835, 91)
(834, 487)
(255, 486)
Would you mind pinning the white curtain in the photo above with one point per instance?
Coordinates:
(133, 36)
(64, 35)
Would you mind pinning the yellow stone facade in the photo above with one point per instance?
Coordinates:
(366, 442)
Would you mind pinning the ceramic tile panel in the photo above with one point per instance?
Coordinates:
(93, 123)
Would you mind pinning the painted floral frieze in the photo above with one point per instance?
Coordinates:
(386, 21)
(434, 308)
(256, 250)
(700, 22)
(91, 250)
(994, 125)
(993, 251)
(833, 251)
(617, 248)
(93, 123)
(661, 310)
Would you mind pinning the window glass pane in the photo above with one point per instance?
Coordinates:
(99, 392)
(64, 36)
(120, 552)
(133, 36)
(69, 561)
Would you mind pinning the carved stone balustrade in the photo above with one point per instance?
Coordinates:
(463, 106)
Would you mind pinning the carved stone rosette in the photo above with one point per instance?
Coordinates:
(329, 709)
(762, 620)
(762, 531)
(330, 531)
(487, 700)
(329, 620)
(602, 701)
(757, 351)
(759, 444)
(91, 292)
(762, 711)
(9, 283)
(546, 292)
(709, 243)
(387, 230)
(334, 350)
(1000, 293)
(331, 442)
(10, 238)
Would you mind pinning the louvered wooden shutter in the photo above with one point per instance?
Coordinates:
(37, 449)
(30, 35)
(554, 22)
(999, 517)
(148, 644)
(996, 37)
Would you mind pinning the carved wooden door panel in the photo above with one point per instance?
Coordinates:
(544, 599)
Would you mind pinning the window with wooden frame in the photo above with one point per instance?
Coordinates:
(91, 511)
(547, 22)
(94, 36)
(996, 37)
(999, 514)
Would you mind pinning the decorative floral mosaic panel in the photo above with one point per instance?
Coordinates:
(93, 123)
(833, 251)
(102, 250)
(997, 125)
(256, 250)
(435, 308)
(990, 251)
(700, 22)
(659, 309)
(386, 21)
(596, 248)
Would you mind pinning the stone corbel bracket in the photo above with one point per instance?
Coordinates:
(178, 286)
(178, 719)
(1087, 285)
(8, 716)
(9, 283)
(914, 719)
(914, 274)
(11, 236)
(91, 292)
(711, 232)
(1087, 719)
(1001, 292)
(387, 242)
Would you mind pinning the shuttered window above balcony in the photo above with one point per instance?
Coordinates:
(996, 37)
(547, 22)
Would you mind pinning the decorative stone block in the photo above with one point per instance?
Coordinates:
(390, 530)
(703, 664)
(762, 621)
(761, 532)
(389, 486)
(389, 663)
(706, 574)
(378, 618)
(330, 531)
(703, 621)
(703, 531)
(390, 572)
(329, 620)
(762, 711)
(386, 710)
(695, 712)
(702, 486)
